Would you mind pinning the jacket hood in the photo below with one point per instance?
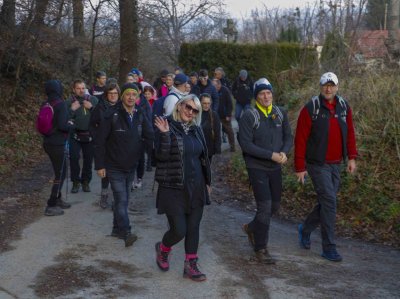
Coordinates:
(54, 89)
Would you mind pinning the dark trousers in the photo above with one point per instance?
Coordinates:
(267, 189)
(227, 128)
(74, 152)
(104, 183)
(326, 181)
(239, 109)
(140, 166)
(184, 226)
(121, 182)
(58, 160)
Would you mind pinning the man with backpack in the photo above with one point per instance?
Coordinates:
(80, 107)
(242, 91)
(54, 125)
(265, 138)
(324, 138)
(175, 94)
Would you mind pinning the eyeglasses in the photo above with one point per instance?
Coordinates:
(191, 109)
(203, 78)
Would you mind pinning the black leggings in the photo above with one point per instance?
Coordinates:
(58, 161)
(184, 226)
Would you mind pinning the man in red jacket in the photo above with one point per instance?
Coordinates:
(324, 138)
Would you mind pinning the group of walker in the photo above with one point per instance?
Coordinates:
(183, 139)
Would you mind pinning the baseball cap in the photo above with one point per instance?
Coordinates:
(180, 79)
(328, 77)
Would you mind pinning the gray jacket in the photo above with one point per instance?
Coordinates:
(259, 136)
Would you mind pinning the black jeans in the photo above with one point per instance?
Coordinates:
(267, 189)
(59, 162)
(74, 152)
(184, 226)
(326, 181)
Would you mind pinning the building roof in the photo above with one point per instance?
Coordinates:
(371, 44)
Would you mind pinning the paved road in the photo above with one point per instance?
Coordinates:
(73, 256)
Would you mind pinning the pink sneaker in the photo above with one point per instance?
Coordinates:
(162, 258)
(191, 270)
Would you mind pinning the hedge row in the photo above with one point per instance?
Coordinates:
(260, 60)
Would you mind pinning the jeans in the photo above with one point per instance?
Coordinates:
(239, 108)
(121, 182)
(267, 189)
(184, 226)
(88, 153)
(326, 181)
(58, 160)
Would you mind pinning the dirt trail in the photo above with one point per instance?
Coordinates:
(73, 256)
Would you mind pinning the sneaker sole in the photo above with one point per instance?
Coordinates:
(159, 266)
(199, 279)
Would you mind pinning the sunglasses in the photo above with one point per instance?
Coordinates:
(191, 109)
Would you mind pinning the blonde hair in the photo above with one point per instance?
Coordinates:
(190, 97)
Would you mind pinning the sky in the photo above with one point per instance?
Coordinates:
(239, 8)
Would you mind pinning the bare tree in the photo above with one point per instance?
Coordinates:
(78, 30)
(173, 17)
(40, 12)
(129, 38)
(7, 15)
(393, 42)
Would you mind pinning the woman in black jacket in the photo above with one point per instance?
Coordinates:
(184, 176)
(211, 126)
(55, 146)
(109, 100)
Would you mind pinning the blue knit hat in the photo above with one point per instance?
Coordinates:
(261, 84)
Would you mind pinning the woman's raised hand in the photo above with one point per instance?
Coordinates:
(162, 124)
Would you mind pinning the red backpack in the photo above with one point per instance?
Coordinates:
(44, 120)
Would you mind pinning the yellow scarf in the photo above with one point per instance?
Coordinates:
(265, 110)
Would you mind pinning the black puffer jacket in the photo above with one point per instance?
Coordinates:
(169, 154)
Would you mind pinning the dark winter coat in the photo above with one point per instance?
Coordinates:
(211, 90)
(97, 116)
(81, 116)
(242, 91)
(225, 103)
(61, 127)
(120, 141)
(273, 134)
(211, 126)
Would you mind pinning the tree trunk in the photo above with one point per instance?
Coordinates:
(7, 15)
(40, 12)
(78, 30)
(393, 43)
(96, 16)
(129, 37)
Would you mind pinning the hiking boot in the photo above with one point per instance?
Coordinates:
(75, 187)
(332, 255)
(263, 256)
(104, 199)
(62, 204)
(250, 235)
(53, 211)
(116, 233)
(162, 258)
(304, 239)
(85, 187)
(191, 270)
(129, 239)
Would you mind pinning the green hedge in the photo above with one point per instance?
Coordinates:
(260, 60)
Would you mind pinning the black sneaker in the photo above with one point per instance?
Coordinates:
(53, 211)
(85, 187)
(129, 239)
(75, 187)
(332, 255)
